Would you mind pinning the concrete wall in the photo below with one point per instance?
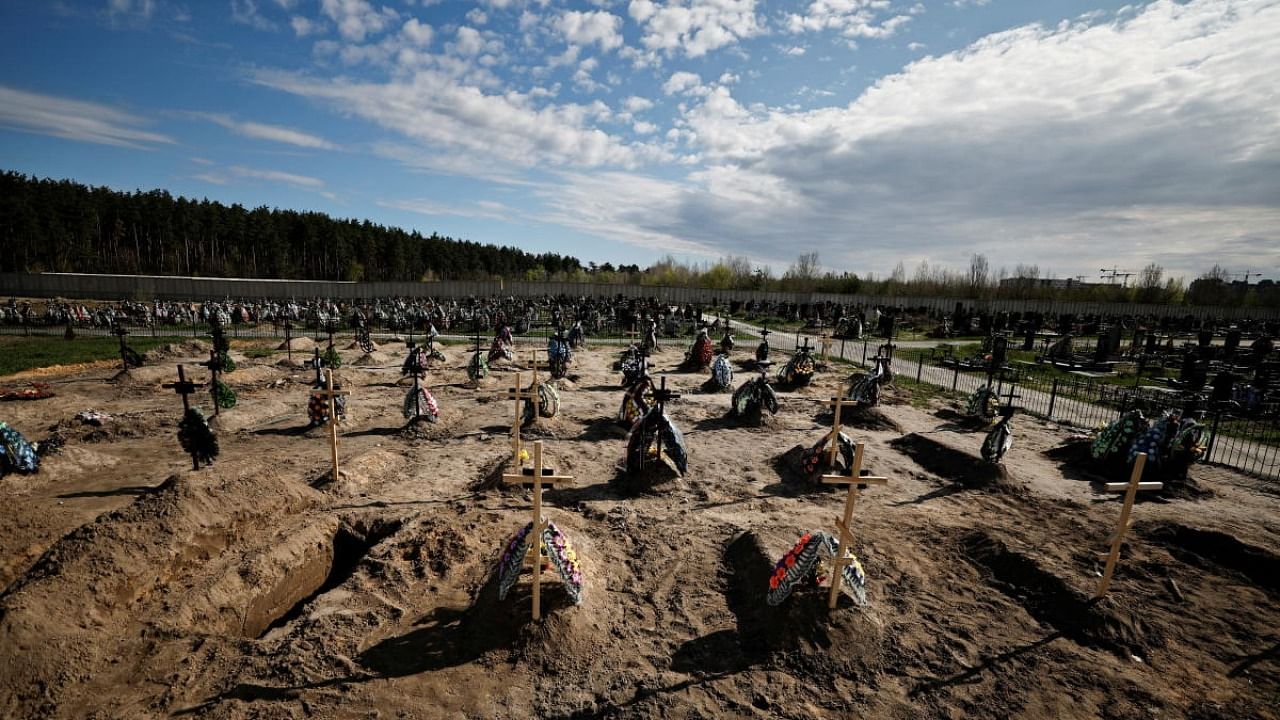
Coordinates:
(150, 287)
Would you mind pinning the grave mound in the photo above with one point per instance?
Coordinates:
(962, 468)
(802, 633)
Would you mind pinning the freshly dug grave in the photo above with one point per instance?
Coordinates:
(135, 587)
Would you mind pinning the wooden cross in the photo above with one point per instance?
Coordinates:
(1130, 490)
(855, 481)
(518, 395)
(826, 347)
(838, 405)
(536, 477)
(288, 338)
(634, 334)
(535, 368)
(185, 387)
(332, 396)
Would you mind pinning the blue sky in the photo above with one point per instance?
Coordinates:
(1067, 134)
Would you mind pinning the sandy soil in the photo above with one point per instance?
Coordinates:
(259, 588)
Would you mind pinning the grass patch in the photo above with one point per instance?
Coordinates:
(19, 353)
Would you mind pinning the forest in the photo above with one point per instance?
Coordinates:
(64, 226)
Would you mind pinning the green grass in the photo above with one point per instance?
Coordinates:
(260, 352)
(25, 353)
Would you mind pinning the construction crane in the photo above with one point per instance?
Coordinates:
(1245, 275)
(1113, 273)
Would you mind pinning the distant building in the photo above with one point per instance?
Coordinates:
(1050, 283)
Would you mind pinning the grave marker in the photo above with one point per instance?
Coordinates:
(854, 483)
(1130, 490)
(536, 477)
(331, 395)
(519, 395)
(837, 409)
(826, 348)
(185, 388)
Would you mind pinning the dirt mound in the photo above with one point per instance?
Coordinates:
(863, 417)
(171, 351)
(1207, 548)
(120, 426)
(298, 344)
(1077, 456)
(961, 468)
(1051, 600)
(801, 633)
(52, 632)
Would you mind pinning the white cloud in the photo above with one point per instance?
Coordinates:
(476, 16)
(357, 19)
(74, 120)
(1153, 137)
(694, 27)
(794, 51)
(452, 118)
(302, 26)
(586, 28)
(637, 104)
(852, 19)
(482, 209)
(286, 4)
(246, 12)
(644, 128)
(262, 131)
(418, 33)
(139, 9)
(302, 181)
(681, 82)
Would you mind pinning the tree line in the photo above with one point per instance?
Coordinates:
(64, 226)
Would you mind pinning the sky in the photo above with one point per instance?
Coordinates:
(1073, 135)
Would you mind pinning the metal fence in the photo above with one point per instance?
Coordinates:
(151, 287)
(1246, 439)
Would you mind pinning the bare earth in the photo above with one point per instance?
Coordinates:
(136, 588)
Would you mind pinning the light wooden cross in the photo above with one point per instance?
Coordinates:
(537, 477)
(518, 394)
(535, 368)
(1130, 490)
(838, 405)
(185, 388)
(854, 483)
(332, 395)
(634, 334)
(826, 347)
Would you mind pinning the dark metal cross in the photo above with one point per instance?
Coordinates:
(213, 365)
(183, 387)
(120, 331)
(661, 395)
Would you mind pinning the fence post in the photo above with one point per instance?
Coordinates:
(919, 368)
(955, 379)
(1213, 435)
(864, 351)
(1053, 397)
